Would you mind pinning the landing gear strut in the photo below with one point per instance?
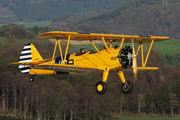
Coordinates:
(31, 79)
(101, 87)
(127, 87)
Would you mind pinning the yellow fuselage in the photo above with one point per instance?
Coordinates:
(103, 59)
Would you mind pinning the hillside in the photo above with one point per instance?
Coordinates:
(62, 21)
(40, 10)
(6, 15)
(143, 17)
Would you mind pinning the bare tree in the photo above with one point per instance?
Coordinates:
(6, 78)
(140, 98)
(26, 96)
(173, 101)
(15, 96)
(3, 97)
(121, 103)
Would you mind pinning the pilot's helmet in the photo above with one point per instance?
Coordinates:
(82, 50)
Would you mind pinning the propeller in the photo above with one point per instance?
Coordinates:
(134, 58)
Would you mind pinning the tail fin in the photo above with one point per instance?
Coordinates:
(29, 53)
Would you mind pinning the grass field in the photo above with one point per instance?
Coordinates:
(145, 118)
(168, 46)
(32, 24)
(39, 24)
(2, 40)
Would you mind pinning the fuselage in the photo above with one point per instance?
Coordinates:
(112, 59)
(90, 58)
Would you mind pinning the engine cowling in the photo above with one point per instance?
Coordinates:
(125, 57)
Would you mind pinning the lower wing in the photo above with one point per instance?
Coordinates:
(66, 68)
(59, 67)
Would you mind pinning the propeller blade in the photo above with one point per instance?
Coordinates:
(134, 60)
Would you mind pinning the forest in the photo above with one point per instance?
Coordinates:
(73, 97)
(138, 17)
(40, 10)
(142, 17)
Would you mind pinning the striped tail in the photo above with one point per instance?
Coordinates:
(28, 54)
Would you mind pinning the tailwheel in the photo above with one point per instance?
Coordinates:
(101, 87)
(31, 79)
(127, 87)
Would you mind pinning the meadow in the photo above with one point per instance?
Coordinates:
(39, 24)
(168, 46)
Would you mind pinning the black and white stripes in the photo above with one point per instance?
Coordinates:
(25, 57)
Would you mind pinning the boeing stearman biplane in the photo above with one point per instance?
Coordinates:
(109, 59)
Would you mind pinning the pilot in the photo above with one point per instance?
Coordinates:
(82, 51)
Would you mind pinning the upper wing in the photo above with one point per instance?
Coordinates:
(95, 36)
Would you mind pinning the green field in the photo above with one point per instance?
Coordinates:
(145, 118)
(168, 46)
(32, 24)
(39, 24)
(2, 40)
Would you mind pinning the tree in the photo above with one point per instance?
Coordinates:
(140, 98)
(176, 90)
(149, 103)
(36, 30)
(7, 77)
(162, 99)
(68, 91)
(13, 31)
(121, 103)
(88, 102)
(173, 101)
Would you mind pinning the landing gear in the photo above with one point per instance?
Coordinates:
(127, 87)
(31, 79)
(101, 87)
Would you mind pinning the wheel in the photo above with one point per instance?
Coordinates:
(127, 87)
(31, 79)
(101, 87)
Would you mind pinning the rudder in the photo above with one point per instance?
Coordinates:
(28, 54)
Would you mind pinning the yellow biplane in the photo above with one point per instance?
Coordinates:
(116, 59)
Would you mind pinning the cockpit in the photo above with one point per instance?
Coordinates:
(85, 51)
